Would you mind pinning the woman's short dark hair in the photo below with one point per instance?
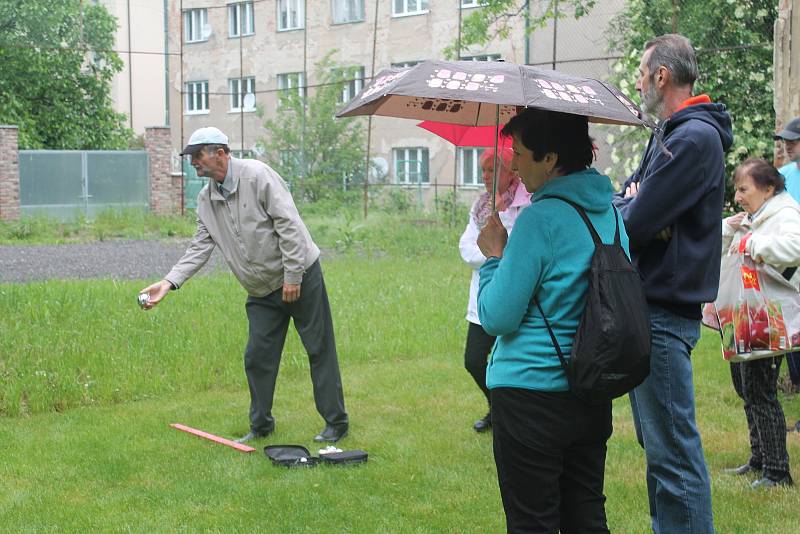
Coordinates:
(544, 131)
(763, 173)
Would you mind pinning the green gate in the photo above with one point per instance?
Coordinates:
(192, 184)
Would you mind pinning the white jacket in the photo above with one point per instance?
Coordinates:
(470, 253)
(775, 238)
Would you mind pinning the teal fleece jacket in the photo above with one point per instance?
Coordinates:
(547, 255)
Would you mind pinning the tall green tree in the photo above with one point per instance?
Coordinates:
(734, 43)
(56, 67)
(317, 153)
(494, 18)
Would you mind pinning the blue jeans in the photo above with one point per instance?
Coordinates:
(678, 484)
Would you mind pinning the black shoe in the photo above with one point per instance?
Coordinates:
(745, 469)
(483, 424)
(332, 433)
(255, 435)
(767, 482)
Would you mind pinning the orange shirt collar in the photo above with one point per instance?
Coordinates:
(694, 100)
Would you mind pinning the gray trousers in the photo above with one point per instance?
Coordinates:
(756, 382)
(268, 319)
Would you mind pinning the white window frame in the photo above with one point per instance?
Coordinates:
(196, 97)
(288, 81)
(466, 4)
(353, 78)
(236, 95)
(402, 162)
(400, 8)
(194, 20)
(353, 10)
(475, 171)
(240, 19)
(405, 64)
(285, 10)
(482, 57)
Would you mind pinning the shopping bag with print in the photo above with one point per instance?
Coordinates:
(757, 309)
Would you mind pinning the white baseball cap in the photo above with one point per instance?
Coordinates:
(204, 136)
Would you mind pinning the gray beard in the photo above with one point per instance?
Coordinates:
(652, 102)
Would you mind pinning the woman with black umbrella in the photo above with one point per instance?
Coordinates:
(549, 446)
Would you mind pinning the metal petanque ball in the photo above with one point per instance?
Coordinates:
(144, 299)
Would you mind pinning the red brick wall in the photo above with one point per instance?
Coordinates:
(165, 189)
(9, 173)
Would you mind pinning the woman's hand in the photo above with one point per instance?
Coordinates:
(493, 237)
(735, 221)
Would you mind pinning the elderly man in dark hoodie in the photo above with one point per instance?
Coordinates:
(672, 206)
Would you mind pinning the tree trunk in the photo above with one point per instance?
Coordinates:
(786, 71)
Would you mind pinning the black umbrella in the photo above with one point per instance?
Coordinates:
(483, 93)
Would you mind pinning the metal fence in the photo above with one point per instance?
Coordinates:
(68, 184)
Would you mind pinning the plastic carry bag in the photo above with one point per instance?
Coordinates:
(757, 311)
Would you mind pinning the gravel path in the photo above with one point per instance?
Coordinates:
(139, 260)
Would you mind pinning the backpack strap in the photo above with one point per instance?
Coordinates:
(597, 241)
(552, 336)
(589, 225)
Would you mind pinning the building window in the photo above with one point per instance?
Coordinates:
(405, 64)
(482, 57)
(197, 97)
(401, 8)
(290, 15)
(469, 166)
(345, 11)
(239, 88)
(353, 81)
(292, 82)
(472, 3)
(194, 20)
(240, 19)
(411, 165)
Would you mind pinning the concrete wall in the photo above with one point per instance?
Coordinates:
(139, 89)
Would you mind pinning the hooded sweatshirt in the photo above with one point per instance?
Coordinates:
(683, 192)
(547, 255)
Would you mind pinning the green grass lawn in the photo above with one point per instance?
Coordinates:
(89, 385)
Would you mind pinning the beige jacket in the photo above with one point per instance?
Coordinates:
(258, 231)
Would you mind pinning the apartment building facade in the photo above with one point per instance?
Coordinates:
(233, 57)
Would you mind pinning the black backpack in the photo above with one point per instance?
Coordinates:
(611, 351)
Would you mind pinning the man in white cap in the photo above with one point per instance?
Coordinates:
(247, 211)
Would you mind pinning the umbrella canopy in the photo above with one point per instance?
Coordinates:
(485, 93)
(460, 135)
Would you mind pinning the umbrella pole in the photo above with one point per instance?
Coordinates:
(495, 162)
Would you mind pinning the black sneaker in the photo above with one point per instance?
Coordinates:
(484, 423)
(767, 482)
(746, 469)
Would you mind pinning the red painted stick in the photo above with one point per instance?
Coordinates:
(212, 437)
